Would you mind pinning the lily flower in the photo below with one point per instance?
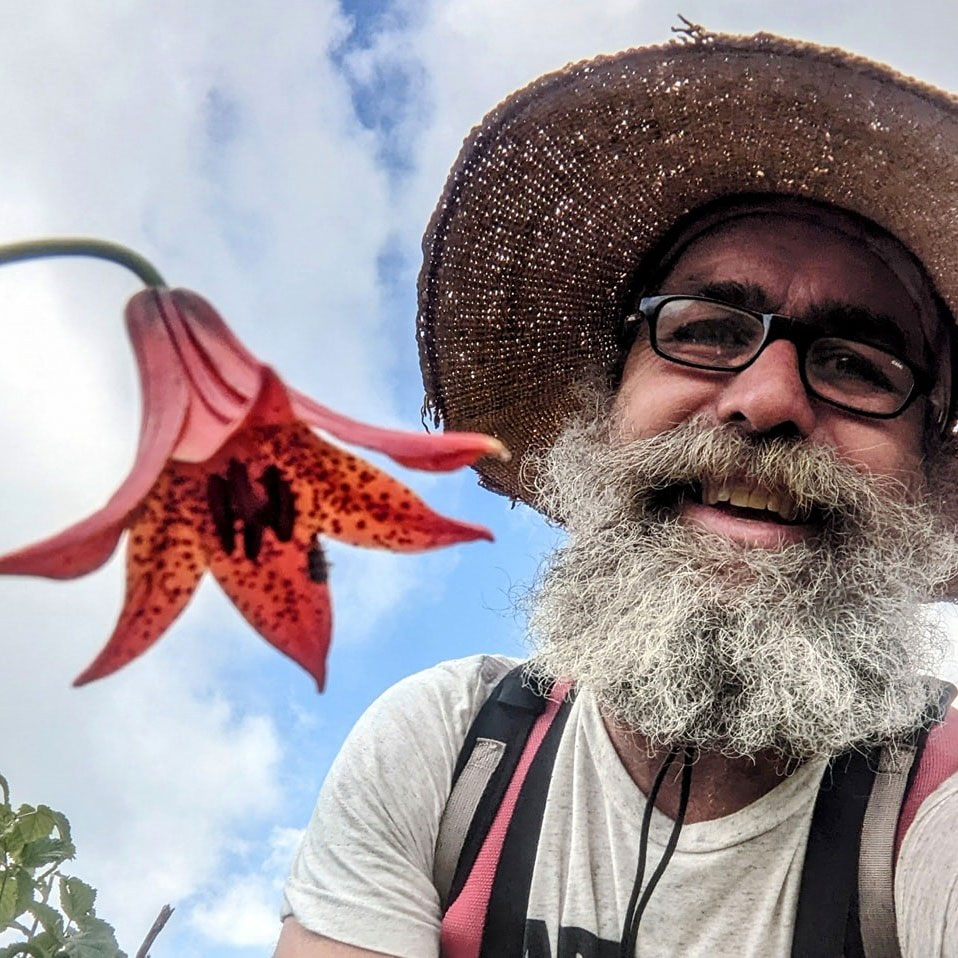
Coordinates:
(229, 476)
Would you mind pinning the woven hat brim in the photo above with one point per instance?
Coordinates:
(559, 195)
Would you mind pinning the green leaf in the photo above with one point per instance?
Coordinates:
(40, 824)
(64, 827)
(49, 944)
(5, 788)
(35, 822)
(49, 918)
(25, 886)
(9, 893)
(16, 893)
(45, 851)
(94, 939)
(76, 898)
(13, 838)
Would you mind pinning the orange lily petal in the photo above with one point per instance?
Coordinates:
(283, 594)
(336, 492)
(215, 405)
(164, 562)
(277, 577)
(436, 452)
(87, 545)
(349, 499)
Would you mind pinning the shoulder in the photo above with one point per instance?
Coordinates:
(445, 697)
(416, 728)
(364, 871)
(938, 762)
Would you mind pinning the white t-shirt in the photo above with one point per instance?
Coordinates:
(363, 874)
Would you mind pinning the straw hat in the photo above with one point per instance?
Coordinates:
(563, 191)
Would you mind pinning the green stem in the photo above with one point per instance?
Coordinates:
(82, 246)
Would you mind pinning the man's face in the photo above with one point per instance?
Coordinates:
(727, 627)
(798, 268)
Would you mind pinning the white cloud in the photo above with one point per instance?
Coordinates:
(242, 911)
(243, 916)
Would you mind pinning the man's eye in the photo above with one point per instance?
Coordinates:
(719, 332)
(860, 368)
(708, 338)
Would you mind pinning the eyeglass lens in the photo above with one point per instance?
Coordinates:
(712, 335)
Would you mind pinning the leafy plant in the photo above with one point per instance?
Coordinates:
(34, 844)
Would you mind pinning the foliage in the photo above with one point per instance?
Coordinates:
(52, 912)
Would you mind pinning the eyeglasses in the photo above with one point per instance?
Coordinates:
(855, 375)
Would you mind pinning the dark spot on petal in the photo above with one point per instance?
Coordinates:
(317, 564)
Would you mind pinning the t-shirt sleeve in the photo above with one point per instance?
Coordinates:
(363, 873)
(926, 880)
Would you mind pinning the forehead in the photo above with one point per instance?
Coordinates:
(798, 265)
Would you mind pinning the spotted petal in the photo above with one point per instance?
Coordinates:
(283, 594)
(164, 562)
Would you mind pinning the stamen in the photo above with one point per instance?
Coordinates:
(245, 501)
(233, 497)
(279, 513)
(252, 538)
(221, 509)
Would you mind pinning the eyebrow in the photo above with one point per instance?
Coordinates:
(837, 317)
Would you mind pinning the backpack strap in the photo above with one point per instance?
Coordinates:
(826, 897)
(529, 736)
(492, 745)
(885, 825)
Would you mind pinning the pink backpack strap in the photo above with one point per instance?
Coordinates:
(464, 922)
(938, 762)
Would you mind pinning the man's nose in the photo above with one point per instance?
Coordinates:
(769, 395)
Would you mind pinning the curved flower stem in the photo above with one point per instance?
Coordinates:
(82, 246)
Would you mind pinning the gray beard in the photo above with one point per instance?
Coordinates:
(690, 639)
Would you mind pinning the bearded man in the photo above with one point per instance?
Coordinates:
(705, 293)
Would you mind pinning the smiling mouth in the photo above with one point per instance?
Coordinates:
(740, 499)
(749, 501)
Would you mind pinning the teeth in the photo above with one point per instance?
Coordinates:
(749, 497)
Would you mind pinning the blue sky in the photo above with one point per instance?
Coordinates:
(282, 160)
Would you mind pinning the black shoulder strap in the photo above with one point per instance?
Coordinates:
(507, 716)
(827, 921)
(830, 874)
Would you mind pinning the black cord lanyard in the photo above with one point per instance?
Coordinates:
(636, 909)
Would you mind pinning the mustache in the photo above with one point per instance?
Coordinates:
(649, 476)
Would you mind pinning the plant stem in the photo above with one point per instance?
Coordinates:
(161, 919)
(82, 246)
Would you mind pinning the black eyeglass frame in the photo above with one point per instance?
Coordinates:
(800, 334)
